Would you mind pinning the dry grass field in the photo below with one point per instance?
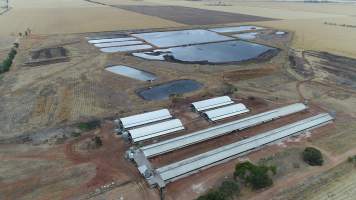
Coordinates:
(43, 155)
(77, 16)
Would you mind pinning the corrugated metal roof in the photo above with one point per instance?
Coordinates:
(173, 171)
(212, 103)
(145, 118)
(155, 130)
(225, 112)
(216, 131)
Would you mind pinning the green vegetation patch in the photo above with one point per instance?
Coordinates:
(227, 190)
(98, 142)
(257, 176)
(352, 159)
(87, 126)
(313, 156)
(6, 64)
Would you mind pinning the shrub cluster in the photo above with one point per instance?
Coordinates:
(352, 159)
(6, 64)
(87, 126)
(229, 89)
(227, 190)
(98, 142)
(256, 176)
(313, 156)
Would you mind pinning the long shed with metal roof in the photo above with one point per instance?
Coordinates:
(144, 118)
(193, 164)
(155, 130)
(225, 112)
(219, 130)
(211, 103)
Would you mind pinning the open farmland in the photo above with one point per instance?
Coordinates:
(192, 16)
(63, 92)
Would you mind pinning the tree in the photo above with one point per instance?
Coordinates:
(6, 64)
(98, 141)
(12, 54)
(227, 190)
(242, 168)
(213, 195)
(259, 178)
(230, 188)
(254, 175)
(313, 156)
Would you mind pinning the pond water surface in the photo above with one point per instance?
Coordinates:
(163, 91)
(212, 53)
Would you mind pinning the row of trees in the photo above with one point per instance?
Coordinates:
(6, 64)
(257, 176)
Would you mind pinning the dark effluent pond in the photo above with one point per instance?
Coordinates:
(163, 91)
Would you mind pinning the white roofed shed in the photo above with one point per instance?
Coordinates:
(155, 130)
(211, 103)
(144, 118)
(225, 112)
(219, 130)
(194, 164)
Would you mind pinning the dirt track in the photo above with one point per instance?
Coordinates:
(109, 160)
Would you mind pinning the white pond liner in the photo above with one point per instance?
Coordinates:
(118, 44)
(246, 36)
(236, 29)
(153, 55)
(131, 73)
(125, 48)
(183, 37)
(280, 33)
(111, 40)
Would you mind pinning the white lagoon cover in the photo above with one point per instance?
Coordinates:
(131, 73)
(183, 37)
